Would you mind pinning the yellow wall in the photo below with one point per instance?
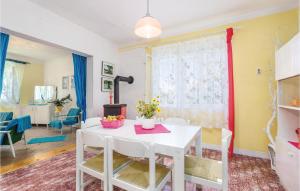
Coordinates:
(33, 75)
(254, 45)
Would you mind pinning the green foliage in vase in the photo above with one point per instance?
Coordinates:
(61, 102)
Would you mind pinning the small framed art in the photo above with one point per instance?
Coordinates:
(108, 69)
(107, 84)
(72, 82)
(65, 82)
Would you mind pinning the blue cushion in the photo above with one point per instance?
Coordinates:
(24, 123)
(56, 124)
(6, 116)
(73, 112)
(69, 122)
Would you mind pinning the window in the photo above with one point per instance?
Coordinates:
(192, 76)
(44, 94)
(12, 80)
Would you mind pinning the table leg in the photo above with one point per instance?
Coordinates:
(199, 144)
(178, 176)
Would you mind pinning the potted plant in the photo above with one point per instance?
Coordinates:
(147, 112)
(59, 103)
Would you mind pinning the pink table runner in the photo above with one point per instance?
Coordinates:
(157, 129)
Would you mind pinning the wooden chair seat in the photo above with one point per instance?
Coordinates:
(203, 168)
(96, 163)
(95, 150)
(137, 173)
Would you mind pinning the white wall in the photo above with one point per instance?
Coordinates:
(132, 63)
(55, 70)
(22, 17)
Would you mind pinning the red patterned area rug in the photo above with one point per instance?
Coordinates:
(58, 174)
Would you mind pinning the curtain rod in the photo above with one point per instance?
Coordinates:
(16, 61)
(150, 43)
(202, 35)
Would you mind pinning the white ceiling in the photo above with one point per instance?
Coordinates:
(30, 51)
(115, 19)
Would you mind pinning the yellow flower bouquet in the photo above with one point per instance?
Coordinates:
(148, 110)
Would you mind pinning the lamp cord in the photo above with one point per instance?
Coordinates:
(148, 9)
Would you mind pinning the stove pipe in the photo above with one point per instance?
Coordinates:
(116, 86)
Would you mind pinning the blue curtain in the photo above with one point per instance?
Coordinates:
(80, 82)
(4, 38)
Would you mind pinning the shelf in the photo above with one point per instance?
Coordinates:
(289, 107)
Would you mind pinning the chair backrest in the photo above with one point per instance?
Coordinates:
(73, 114)
(132, 149)
(176, 121)
(93, 140)
(6, 116)
(90, 139)
(226, 139)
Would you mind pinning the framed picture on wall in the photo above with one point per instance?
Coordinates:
(72, 82)
(107, 84)
(65, 82)
(108, 69)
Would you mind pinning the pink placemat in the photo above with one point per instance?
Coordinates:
(295, 144)
(157, 129)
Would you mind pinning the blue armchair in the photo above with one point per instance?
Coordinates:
(73, 118)
(14, 131)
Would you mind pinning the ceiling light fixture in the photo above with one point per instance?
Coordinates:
(147, 27)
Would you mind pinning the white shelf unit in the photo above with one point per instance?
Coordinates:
(288, 117)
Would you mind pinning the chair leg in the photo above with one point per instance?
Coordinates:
(25, 139)
(11, 145)
(78, 180)
(81, 181)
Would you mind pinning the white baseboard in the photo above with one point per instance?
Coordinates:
(257, 154)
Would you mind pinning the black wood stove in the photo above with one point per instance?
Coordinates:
(116, 108)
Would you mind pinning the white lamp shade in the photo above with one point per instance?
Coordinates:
(147, 27)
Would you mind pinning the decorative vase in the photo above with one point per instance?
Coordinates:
(58, 109)
(148, 123)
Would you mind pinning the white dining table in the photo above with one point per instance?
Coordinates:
(175, 144)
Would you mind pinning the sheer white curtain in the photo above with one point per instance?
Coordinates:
(191, 79)
(12, 80)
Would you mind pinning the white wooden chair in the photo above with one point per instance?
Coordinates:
(142, 175)
(208, 172)
(95, 166)
(176, 121)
